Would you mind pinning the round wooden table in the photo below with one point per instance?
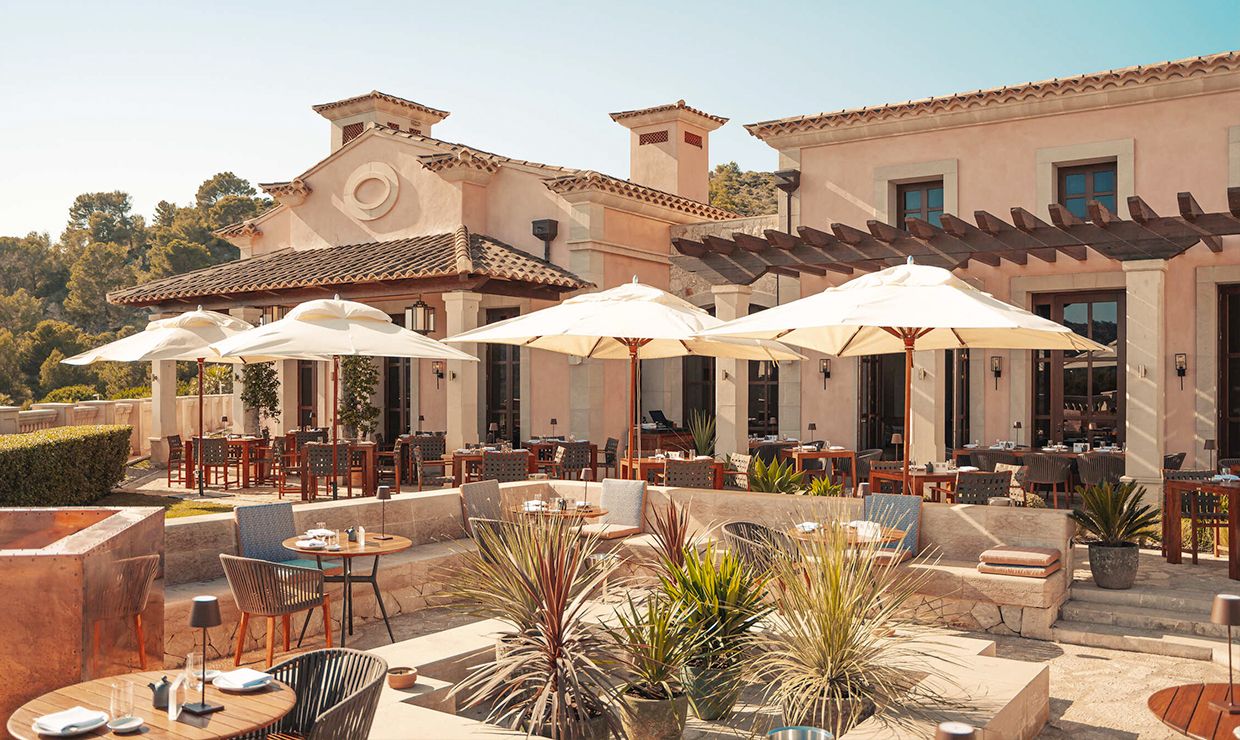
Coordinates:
(373, 547)
(242, 713)
(886, 535)
(593, 513)
(1188, 709)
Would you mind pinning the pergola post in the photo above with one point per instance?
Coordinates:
(1145, 373)
(463, 310)
(731, 377)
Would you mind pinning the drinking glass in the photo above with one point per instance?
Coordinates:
(194, 669)
(320, 525)
(121, 704)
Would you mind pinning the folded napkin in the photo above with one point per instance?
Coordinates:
(865, 529)
(243, 678)
(68, 719)
(311, 544)
(808, 526)
(315, 534)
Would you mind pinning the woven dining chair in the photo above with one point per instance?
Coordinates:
(1097, 468)
(265, 589)
(390, 463)
(898, 512)
(210, 455)
(757, 545)
(1174, 462)
(1202, 510)
(505, 467)
(740, 466)
(337, 694)
(689, 473)
(124, 597)
(176, 459)
(283, 465)
(611, 457)
(977, 487)
(885, 465)
(481, 500)
(422, 471)
(262, 530)
(1055, 471)
(569, 460)
(319, 466)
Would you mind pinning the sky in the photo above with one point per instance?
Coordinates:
(152, 98)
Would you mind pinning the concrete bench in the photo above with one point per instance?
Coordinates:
(953, 592)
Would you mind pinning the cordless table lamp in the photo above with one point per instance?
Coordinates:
(1227, 611)
(204, 613)
(384, 494)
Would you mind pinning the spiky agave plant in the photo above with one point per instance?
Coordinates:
(702, 429)
(780, 476)
(831, 656)
(1114, 513)
(551, 678)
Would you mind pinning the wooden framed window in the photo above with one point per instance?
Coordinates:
(922, 200)
(1080, 184)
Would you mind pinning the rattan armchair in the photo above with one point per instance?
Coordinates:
(262, 588)
(1055, 471)
(1097, 468)
(337, 693)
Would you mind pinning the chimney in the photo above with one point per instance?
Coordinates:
(351, 116)
(669, 148)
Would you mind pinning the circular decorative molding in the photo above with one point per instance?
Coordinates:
(370, 192)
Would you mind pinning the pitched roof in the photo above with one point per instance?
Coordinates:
(590, 180)
(375, 95)
(1013, 94)
(678, 105)
(457, 254)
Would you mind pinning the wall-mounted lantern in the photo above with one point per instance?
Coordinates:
(420, 317)
(1181, 367)
(437, 369)
(996, 368)
(824, 367)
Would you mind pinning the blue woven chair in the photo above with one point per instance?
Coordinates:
(262, 530)
(899, 512)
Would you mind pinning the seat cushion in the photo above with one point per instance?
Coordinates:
(610, 531)
(1009, 555)
(1027, 571)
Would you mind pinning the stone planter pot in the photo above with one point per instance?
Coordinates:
(712, 690)
(831, 715)
(1113, 567)
(653, 719)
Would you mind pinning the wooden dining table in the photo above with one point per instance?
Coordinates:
(1189, 710)
(242, 713)
(372, 547)
(886, 535)
(248, 447)
(799, 455)
(1173, 495)
(548, 512)
(647, 465)
(918, 478)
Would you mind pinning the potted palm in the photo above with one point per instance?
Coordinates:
(725, 599)
(1115, 517)
(549, 679)
(652, 642)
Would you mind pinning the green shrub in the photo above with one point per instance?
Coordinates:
(71, 394)
(823, 486)
(781, 476)
(138, 391)
(64, 466)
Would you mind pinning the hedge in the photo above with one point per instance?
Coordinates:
(63, 466)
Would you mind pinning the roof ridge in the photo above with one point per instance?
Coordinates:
(1018, 93)
(566, 183)
(462, 251)
(678, 105)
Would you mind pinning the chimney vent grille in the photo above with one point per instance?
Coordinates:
(351, 131)
(652, 137)
(693, 139)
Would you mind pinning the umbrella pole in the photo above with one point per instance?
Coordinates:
(632, 405)
(335, 422)
(909, 339)
(198, 468)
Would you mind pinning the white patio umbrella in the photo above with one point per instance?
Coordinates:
(901, 309)
(333, 327)
(631, 321)
(186, 337)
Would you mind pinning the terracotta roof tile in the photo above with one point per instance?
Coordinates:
(439, 255)
(590, 180)
(1046, 89)
(394, 100)
(678, 105)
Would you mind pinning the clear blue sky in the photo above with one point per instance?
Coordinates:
(152, 98)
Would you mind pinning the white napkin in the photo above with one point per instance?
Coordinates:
(835, 447)
(75, 717)
(315, 534)
(808, 526)
(533, 505)
(865, 529)
(243, 678)
(967, 469)
(311, 544)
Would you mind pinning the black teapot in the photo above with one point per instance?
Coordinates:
(160, 692)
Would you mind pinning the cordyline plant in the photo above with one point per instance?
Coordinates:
(672, 534)
(549, 677)
(831, 656)
(1114, 514)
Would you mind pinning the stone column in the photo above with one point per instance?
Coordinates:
(791, 420)
(731, 377)
(929, 415)
(163, 409)
(462, 308)
(587, 379)
(8, 419)
(1145, 373)
(286, 374)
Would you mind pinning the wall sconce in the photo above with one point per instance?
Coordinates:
(727, 375)
(1181, 367)
(420, 317)
(824, 367)
(437, 368)
(996, 368)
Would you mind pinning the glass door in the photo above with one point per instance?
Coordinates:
(306, 393)
(503, 368)
(1229, 371)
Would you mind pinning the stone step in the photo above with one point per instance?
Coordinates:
(1193, 603)
(1160, 620)
(1137, 640)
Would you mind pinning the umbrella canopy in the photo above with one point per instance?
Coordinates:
(606, 325)
(185, 337)
(631, 321)
(902, 309)
(856, 318)
(318, 329)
